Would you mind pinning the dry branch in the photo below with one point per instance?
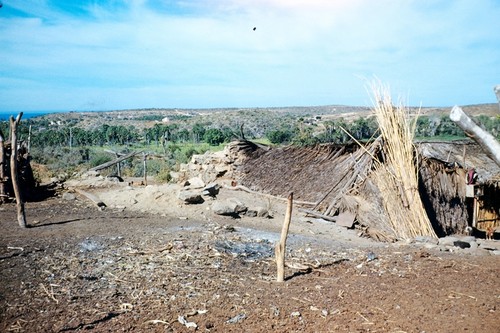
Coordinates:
(246, 189)
(487, 141)
(317, 214)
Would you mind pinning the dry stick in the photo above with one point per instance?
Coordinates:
(350, 182)
(246, 189)
(281, 246)
(316, 214)
(21, 215)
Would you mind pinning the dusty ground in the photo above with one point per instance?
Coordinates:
(150, 264)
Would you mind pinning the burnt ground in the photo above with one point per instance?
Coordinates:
(81, 269)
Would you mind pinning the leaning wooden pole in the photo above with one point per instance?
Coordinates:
(487, 141)
(21, 216)
(280, 248)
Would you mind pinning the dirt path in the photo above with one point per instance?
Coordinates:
(128, 270)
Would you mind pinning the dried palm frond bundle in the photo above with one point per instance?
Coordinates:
(397, 177)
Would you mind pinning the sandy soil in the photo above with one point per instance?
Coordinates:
(148, 263)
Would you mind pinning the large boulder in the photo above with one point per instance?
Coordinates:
(190, 197)
(194, 183)
(258, 212)
(230, 207)
(211, 190)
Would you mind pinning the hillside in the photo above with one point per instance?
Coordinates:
(145, 118)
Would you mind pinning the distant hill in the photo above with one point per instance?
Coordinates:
(143, 118)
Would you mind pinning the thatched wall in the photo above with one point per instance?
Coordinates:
(443, 184)
(443, 194)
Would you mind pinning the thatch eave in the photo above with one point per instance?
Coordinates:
(465, 154)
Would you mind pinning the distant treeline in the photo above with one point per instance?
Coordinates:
(300, 131)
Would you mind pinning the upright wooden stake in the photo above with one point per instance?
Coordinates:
(21, 216)
(3, 172)
(144, 155)
(280, 248)
(29, 141)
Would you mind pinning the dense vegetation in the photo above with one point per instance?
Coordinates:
(66, 145)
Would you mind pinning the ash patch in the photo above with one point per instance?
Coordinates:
(247, 251)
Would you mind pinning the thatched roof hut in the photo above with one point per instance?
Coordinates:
(336, 178)
(451, 203)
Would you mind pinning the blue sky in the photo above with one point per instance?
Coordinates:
(120, 54)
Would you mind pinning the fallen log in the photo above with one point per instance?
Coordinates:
(113, 162)
(487, 141)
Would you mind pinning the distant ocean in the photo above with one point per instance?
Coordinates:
(5, 115)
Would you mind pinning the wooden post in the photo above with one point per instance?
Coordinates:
(21, 216)
(29, 141)
(280, 248)
(3, 166)
(144, 155)
(118, 165)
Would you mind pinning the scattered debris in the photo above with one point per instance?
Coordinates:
(236, 319)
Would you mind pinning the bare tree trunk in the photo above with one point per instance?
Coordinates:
(487, 141)
(3, 166)
(21, 216)
(280, 248)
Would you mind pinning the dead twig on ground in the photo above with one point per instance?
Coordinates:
(161, 249)
(246, 189)
(50, 293)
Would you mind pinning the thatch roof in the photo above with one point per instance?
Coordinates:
(336, 178)
(465, 154)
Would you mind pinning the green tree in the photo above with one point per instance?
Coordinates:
(214, 136)
(198, 131)
(279, 136)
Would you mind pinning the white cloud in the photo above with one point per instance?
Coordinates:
(302, 52)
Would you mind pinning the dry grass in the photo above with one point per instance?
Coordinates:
(397, 178)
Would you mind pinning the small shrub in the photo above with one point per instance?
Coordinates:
(99, 158)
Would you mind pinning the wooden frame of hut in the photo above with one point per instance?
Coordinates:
(460, 186)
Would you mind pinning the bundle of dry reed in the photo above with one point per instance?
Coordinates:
(397, 178)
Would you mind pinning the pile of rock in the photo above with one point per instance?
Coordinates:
(460, 244)
(196, 192)
(212, 166)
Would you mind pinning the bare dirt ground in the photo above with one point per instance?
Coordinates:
(147, 263)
